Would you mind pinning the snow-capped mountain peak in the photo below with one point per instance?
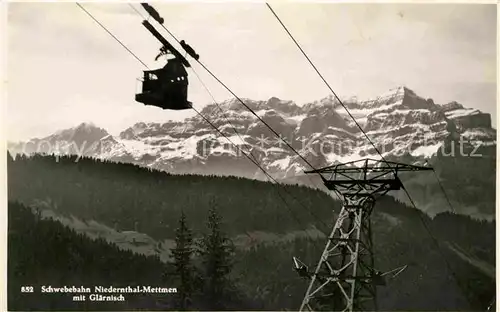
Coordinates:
(399, 122)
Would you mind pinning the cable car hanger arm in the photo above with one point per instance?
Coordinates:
(156, 16)
(165, 43)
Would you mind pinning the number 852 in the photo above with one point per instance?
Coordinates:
(27, 289)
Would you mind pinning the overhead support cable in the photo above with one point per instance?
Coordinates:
(276, 183)
(243, 103)
(111, 34)
(182, 43)
(370, 141)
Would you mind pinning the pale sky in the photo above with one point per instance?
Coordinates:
(64, 69)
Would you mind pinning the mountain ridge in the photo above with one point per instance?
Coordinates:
(402, 124)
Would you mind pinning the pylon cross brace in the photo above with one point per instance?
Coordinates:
(345, 278)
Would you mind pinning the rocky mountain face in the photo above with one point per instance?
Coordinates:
(404, 127)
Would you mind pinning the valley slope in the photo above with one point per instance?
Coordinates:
(136, 208)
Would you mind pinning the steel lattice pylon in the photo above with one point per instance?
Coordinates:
(345, 278)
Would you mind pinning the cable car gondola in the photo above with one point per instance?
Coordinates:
(166, 87)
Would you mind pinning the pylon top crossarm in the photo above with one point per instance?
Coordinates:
(364, 177)
(372, 165)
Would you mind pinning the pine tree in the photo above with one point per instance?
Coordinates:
(183, 268)
(216, 251)
(10, 159)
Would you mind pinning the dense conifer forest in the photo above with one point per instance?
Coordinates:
(43, 252)
(204, 214)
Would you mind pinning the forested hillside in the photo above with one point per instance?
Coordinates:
(43, 252)
(455, 276)
(124, 194)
